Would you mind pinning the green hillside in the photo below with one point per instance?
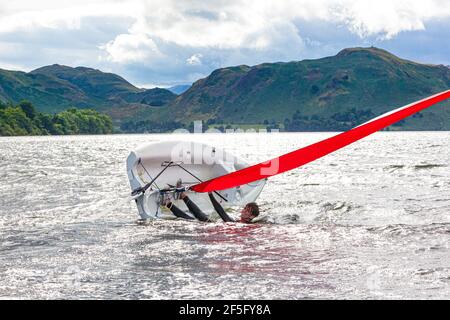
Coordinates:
(55, 88)
(331, 93)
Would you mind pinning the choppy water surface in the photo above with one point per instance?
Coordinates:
(370, 221)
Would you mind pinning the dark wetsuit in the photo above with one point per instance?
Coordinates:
(195, 210)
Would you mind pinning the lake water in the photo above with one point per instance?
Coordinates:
(369, 221)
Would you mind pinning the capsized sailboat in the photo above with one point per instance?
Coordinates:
(155, 169)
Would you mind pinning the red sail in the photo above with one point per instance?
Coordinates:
(317, 150)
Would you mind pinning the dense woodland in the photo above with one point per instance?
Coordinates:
(23, 119)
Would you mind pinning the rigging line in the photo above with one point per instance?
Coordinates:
(177, 164)
(148, 174)
(144, 188)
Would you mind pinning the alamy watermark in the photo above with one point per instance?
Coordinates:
(199, 153)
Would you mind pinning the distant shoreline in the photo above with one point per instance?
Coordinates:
(166, 133)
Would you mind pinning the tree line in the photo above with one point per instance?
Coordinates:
(340, 121)
(23, 119)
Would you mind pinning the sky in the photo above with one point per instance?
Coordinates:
(163, 43)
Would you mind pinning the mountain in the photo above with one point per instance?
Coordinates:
(331, 93)
(179, 89)
(355, 83)
(55, 88)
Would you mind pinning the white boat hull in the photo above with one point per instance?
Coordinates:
(192, 162)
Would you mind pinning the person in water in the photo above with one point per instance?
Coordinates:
(250, 211)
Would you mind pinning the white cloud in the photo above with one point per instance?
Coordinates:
(130, 48)
(157, 36)
(195, 59)
(387, 18)
(234, 23)
(23, 15)
(226, 24)
(211, 24)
